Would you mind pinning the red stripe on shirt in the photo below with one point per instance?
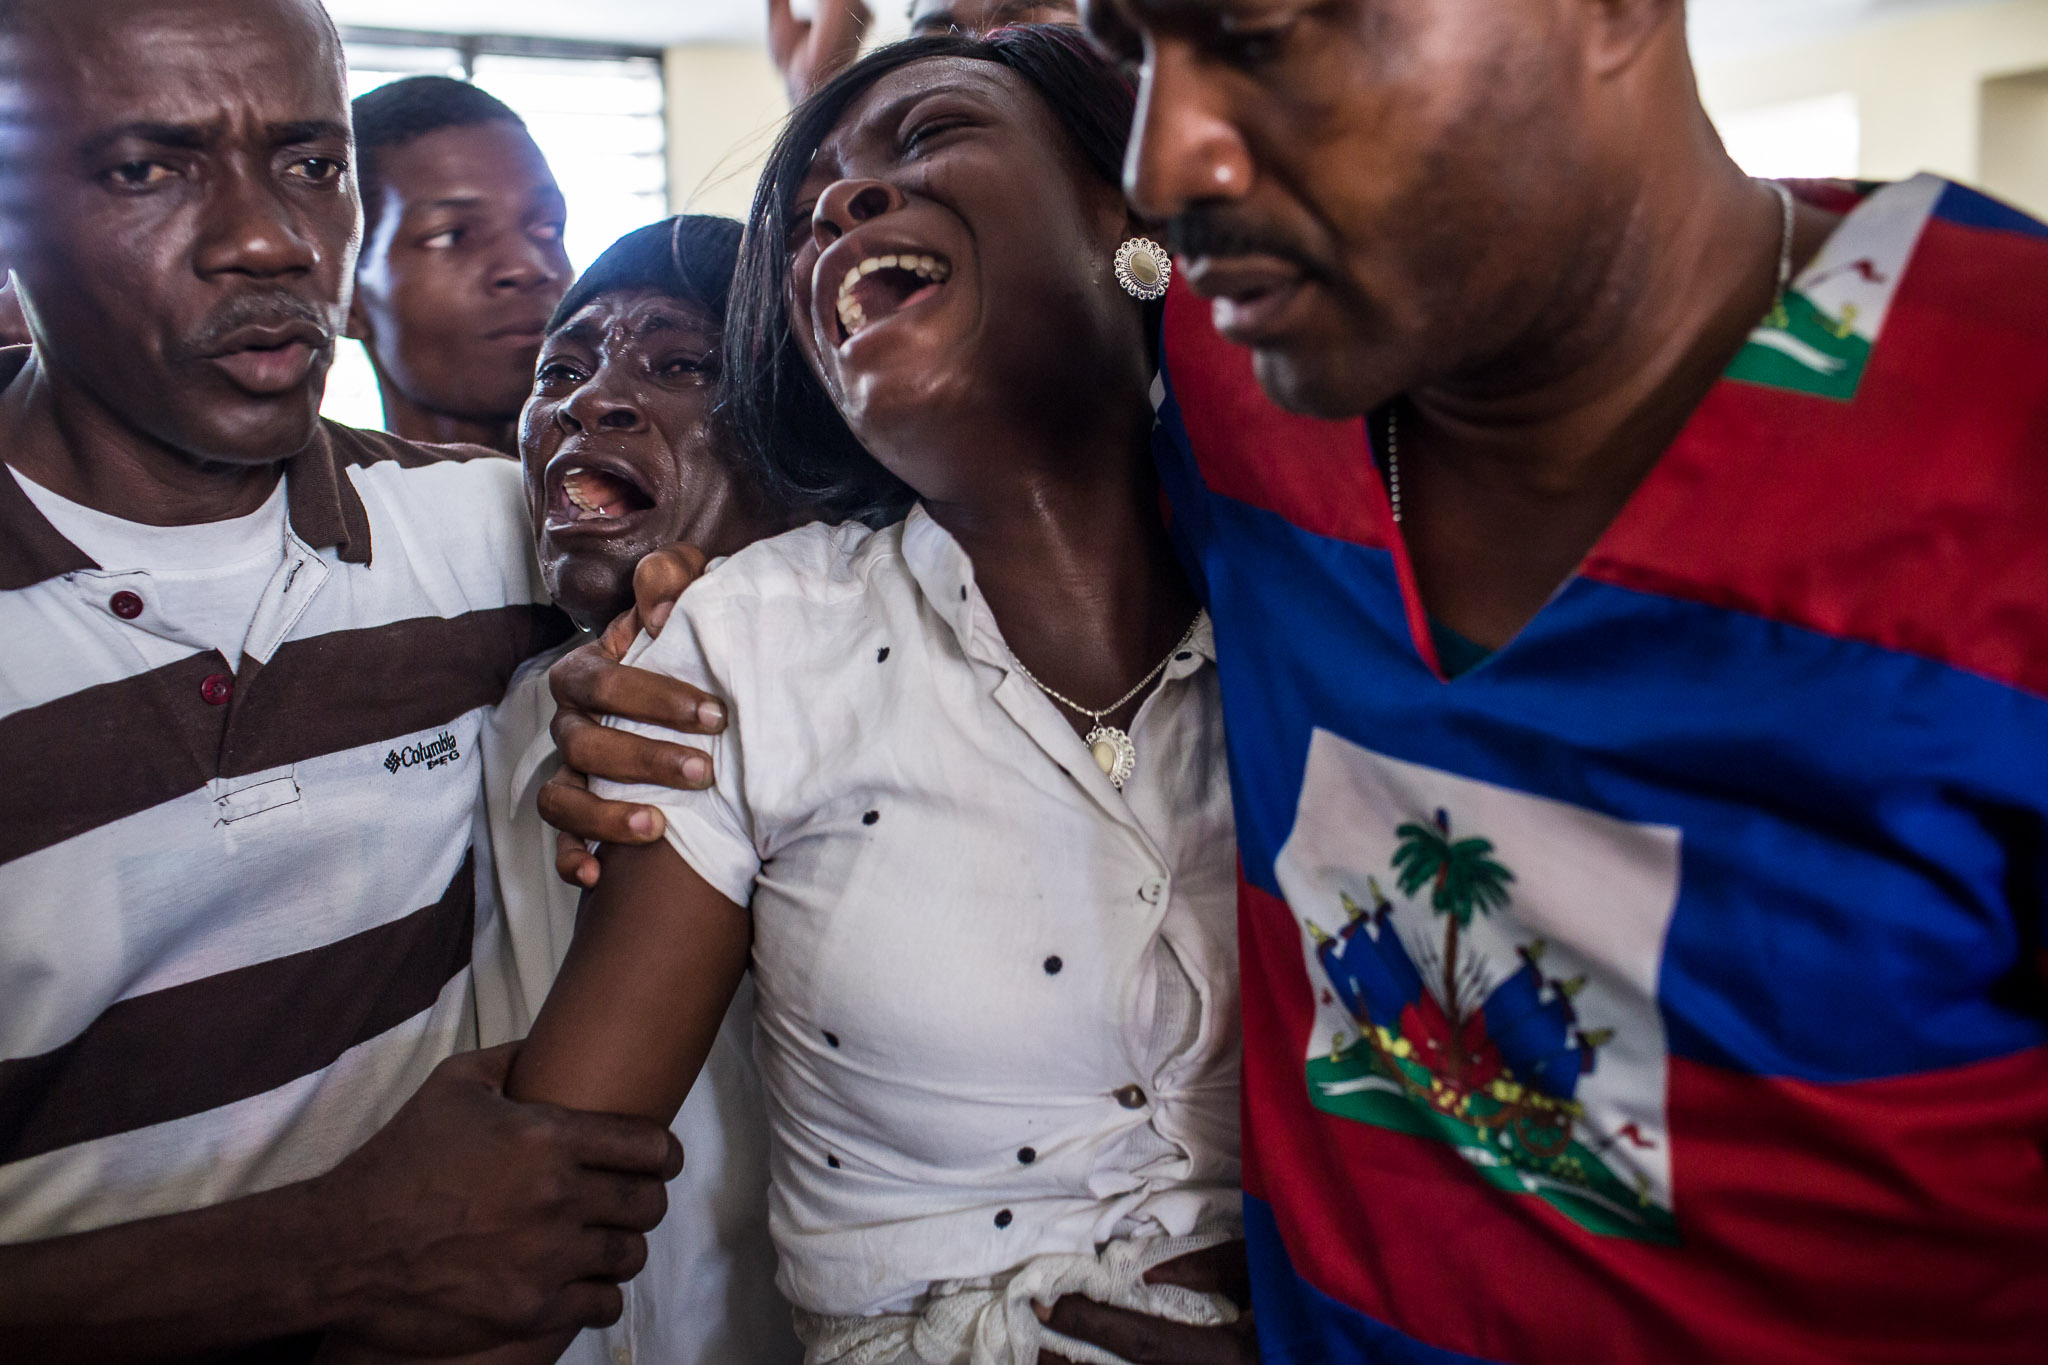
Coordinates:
(1904, 1220)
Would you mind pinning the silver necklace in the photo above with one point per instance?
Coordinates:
(1777, 302)
(1109, 746)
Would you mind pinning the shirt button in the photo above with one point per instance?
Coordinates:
(622, 1355)
(1153, 891)
(125, 605)
(217, 688)
(1131, 1097)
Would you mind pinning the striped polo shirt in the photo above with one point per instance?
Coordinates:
(237, 900)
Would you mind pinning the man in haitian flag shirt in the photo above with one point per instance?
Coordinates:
(1638, 709)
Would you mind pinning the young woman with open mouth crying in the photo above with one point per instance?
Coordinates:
(970, 824)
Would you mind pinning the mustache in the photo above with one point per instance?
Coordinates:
(1208, 231)
(256, 308)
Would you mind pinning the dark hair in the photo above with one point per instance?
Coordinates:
(786, 424)
(689, 257)
(394, 114)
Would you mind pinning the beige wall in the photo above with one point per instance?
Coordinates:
(725, 105)
(1960, 90)
(1921, 89)
(2015, 138)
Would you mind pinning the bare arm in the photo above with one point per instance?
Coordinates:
(636, 1007)
(468, 1220)
(809, 52)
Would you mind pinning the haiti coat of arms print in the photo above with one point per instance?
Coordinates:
(1485, 966)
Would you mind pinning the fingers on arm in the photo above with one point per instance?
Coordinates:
(588, 1303)
(627, 756)
(661, 575)
(635, 1203)
(622, 1144)
(610, 1254)
(571, 807)
(589, 682)
(575, 863)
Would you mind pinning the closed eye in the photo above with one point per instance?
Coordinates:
(1248, 48)
(687, 367)
(923, 134)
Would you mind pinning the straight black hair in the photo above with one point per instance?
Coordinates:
(785, 422)
(689, 257)
(397, 112)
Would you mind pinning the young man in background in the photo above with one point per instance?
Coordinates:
(462, 258)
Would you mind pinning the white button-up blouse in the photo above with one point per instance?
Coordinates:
(997, 1006)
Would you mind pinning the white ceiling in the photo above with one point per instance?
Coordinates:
(642, 23)
(1720, 27)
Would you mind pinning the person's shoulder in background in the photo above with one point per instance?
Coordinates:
(364, 446)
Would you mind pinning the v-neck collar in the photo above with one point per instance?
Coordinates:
(1818, 341)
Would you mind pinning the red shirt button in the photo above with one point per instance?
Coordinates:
(217, 688)
(126, 605)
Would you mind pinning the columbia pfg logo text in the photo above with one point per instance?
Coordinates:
(433, 753)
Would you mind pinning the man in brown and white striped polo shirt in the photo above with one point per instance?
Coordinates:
(246, 658)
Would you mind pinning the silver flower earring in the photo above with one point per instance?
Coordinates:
(1143, 268)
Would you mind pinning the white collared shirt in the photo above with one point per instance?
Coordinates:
(210, 577)
(706, 1296)
(997, 998)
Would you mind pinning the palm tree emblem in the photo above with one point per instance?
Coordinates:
(1463, 878)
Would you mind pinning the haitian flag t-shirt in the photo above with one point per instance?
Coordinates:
(1669, 986)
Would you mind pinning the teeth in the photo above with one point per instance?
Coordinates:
(926, 267)
(851, 315)
(572, 484)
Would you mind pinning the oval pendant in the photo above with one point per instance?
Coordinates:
(1114, 754)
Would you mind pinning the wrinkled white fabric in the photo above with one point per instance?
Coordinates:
(997, 996)
(990, 1321)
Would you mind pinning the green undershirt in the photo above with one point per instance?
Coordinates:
(1455, 654)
